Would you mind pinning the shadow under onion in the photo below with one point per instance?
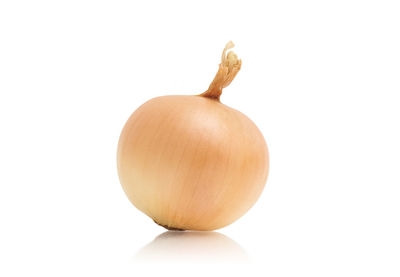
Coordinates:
(191, 246)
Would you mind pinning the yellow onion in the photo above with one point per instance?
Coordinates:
(191, 162)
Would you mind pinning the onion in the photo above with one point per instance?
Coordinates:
(191, 162)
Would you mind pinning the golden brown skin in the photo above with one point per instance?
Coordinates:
(191, 162)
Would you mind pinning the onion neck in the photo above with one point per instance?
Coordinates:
(228, 68)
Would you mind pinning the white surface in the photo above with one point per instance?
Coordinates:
(319, 78)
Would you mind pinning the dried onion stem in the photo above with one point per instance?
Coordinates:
(228, 68)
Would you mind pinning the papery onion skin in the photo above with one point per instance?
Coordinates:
(191, 162)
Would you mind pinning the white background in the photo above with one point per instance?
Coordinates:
(321, 79)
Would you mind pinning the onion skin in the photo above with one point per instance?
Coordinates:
(191, 163)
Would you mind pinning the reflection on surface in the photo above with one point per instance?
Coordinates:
(195, 247)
